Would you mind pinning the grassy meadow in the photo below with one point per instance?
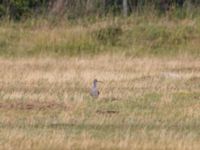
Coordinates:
(144, 103)
(139, 35)
(150, 95)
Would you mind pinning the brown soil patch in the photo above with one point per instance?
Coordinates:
(107, 112)
(32, 105)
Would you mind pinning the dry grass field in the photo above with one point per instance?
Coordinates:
(146, 103)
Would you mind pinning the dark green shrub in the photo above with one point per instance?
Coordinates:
(2, 11)
(108, 35)
(16, 9)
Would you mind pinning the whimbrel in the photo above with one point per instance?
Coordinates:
(94, 91)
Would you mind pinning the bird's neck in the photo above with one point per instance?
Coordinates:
(94, 85)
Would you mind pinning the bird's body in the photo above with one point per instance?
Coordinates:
(94, 91)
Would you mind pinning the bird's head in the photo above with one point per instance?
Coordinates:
(95, 81)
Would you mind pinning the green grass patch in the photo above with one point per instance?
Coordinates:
(134, 36)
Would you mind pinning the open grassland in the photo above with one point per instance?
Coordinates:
(146, 103)
(148, 35)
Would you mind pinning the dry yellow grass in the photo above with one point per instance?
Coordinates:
(45, 103)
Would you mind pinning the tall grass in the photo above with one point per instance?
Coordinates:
(136, 35)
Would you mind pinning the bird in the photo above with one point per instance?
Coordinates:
(94, 90)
